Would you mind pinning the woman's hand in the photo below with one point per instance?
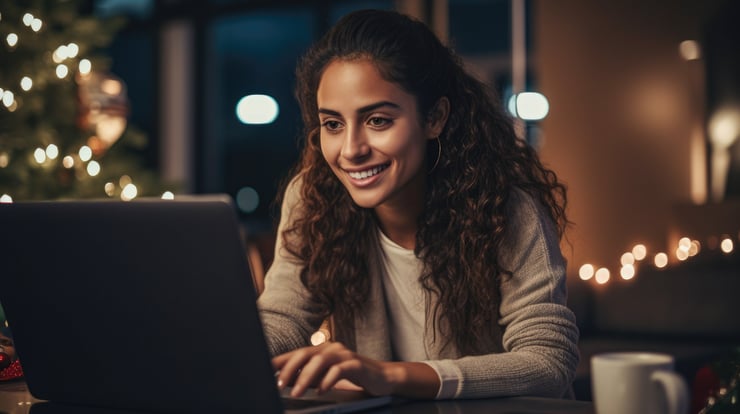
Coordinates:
(324, 366)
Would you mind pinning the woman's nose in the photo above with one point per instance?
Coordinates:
(355, 144)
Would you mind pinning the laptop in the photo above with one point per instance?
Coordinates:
(145, 305)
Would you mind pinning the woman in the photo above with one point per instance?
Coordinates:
(418, 221)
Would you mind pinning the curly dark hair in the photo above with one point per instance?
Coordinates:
(464, 221)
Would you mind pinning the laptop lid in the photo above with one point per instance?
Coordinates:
(145, 305)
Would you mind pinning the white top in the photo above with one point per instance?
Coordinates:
(405, 299)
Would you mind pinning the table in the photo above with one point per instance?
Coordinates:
(15, 399)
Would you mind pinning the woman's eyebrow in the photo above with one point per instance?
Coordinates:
(364, 109)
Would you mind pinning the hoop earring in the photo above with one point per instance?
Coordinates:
(439, 155)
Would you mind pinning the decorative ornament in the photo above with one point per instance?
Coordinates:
(103, 109)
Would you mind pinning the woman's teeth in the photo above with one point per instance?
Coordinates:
(359, 175)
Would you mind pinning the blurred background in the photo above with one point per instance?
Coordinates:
(635, 104)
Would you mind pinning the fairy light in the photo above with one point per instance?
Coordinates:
(12, 39)
(661, 260)
(62, 71)
(36, 24)
(602, 276)
(8, 98)
(39, 155)
(52, 151)
(124, 181)
(627, 272)
(4, 159)
(726, 245)
(168, 195)
(639, 251)
(85, 153)
(72, 50)
(68, 161)
(93, 168)
(695, 248)
(627, 259)
(26, 83)
(129, 192)
(85, 66)
(28, 19)
(586, 272)
(110, 189)
(6, 199)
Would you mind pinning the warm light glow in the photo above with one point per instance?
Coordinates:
(726, 245)
(318, 338)
(27, 19)
(627, 272)
(639, 251)
(6, 199)
(627, 259)
(12, 39)
(36, 24)
(110, 189)
(62, 71)
(52, 151)
(72, 50)
(39, 155)
(68, 161)
(124, 181)
(661, 260)
(602, 275)
(26, 83)
(682, 254)
(167, 195)
(586, 272)
(690, 50)
(684, 243)
(8, 98)
(111, 87)
(85, 66)
(4, 159)
(85, 153)
(695, 248)
(129, 192)
(257, 109)
(93, 168)
(60, 54)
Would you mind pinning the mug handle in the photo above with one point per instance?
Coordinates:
(676, 391)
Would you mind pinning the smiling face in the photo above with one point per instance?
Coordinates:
(372, 136)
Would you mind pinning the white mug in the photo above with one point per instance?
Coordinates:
(637, 383)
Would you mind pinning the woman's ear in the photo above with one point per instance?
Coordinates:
(437, 117)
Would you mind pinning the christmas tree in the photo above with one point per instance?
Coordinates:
(63, 116)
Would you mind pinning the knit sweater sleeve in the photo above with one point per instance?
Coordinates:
(288, 315)
(540, 334)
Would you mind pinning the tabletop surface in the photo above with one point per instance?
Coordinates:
(15, 399)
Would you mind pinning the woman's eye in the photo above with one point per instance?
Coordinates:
(378, 122)
(331, 125)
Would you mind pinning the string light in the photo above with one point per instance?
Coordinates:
(27, 19)
(129, 192)
(93, 168)
(36, 24)
(110, 189)
(726, 245)
(8, 98)
(26, 83)
(85, 153)
(85, 67)
(660, 260)
(12, 39)
(167, 195)
(68, 162)
(39, 155)
(62, 71)
(52, 152)
(586, 271)
(639, 251)
(4, 159)
(602, 276)
(627, 272)
(6, 199)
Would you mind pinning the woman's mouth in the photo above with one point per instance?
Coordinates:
(370, 172)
